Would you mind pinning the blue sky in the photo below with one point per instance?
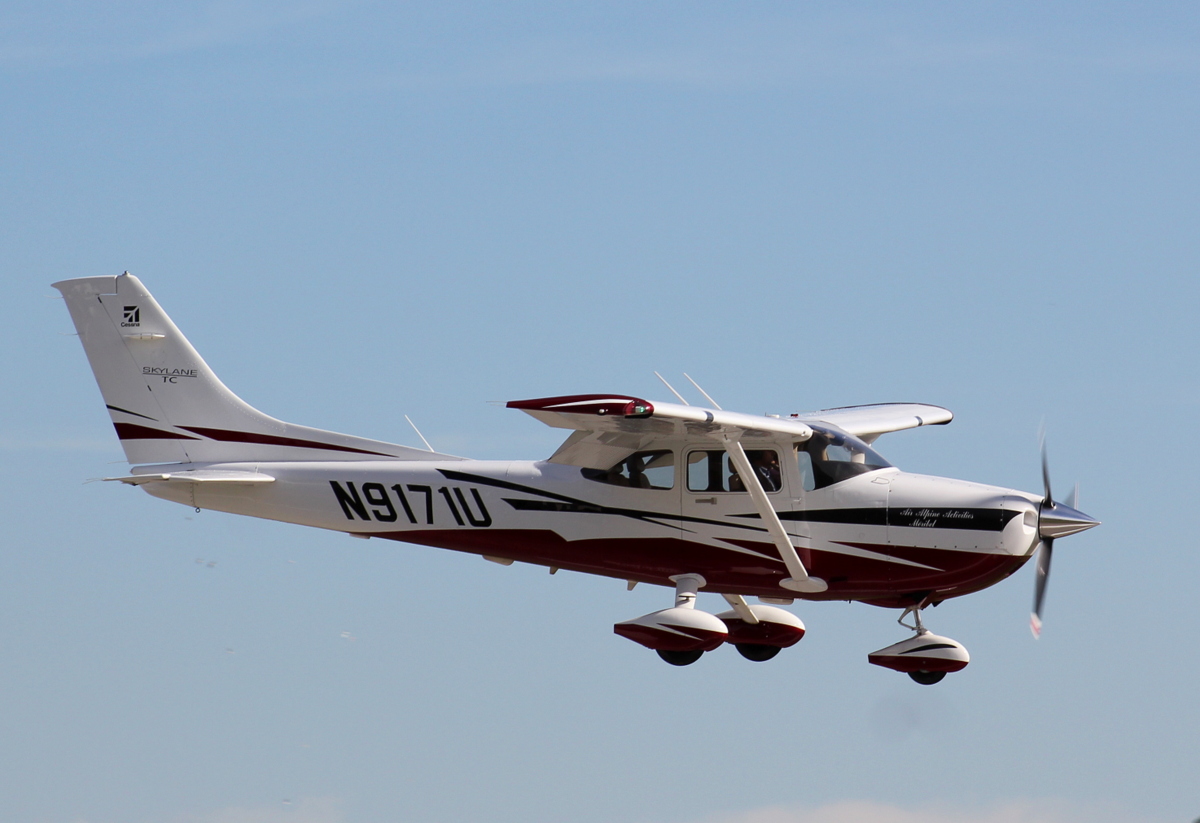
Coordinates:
(360, 210)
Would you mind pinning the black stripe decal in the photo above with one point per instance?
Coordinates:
(127, 411)
(574, 505)
(857, 517)
(986, 520)
(928, 648)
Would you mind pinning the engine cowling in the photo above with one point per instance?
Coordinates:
(675, 630)
(923, 653)
(775, 627)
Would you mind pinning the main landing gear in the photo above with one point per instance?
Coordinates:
(926, 658)
(682, 634)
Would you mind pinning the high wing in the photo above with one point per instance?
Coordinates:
(868, 422)
(608, 427)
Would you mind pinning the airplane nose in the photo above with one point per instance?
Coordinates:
(1060, 520)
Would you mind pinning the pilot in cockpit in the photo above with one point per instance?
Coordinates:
(765, 464)
(767, 469)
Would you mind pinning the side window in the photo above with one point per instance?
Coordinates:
(708, 471)
(643, 470)
(712, 471)
(808, 480)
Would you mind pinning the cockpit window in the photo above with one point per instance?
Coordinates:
(643, 470)
(830, 457)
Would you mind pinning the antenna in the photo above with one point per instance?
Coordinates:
(702, 391)
(418, 431)
(672, 388)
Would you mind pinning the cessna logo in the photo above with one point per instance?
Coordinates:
(131, 316)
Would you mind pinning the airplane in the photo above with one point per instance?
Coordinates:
(693, 498)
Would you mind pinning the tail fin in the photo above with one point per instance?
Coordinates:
(166, 403)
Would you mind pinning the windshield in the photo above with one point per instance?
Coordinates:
(831, 456)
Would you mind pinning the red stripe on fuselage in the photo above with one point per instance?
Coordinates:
(132, 431)
(875, 581)
(227, 436)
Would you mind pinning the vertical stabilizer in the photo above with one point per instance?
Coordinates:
(167, 405)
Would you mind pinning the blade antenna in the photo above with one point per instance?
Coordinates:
(418, 431)
(1073, 497)
(702, 391)
(672, 388)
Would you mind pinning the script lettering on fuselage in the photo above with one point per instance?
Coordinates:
(416, 503)
(929, 519)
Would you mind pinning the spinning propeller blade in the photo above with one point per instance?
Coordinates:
(1054, 520)
(1045, 553)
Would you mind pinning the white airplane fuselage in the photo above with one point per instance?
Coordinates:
(885, 537)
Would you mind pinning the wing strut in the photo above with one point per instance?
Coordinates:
(800, 581)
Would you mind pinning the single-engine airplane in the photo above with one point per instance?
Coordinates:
(670, 494)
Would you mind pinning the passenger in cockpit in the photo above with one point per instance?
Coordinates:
(637, 474)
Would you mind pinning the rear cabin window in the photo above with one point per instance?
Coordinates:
(643, 470)
(712, 471)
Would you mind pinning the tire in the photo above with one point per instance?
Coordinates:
(757, 651)
(680, 658)
(927, 678)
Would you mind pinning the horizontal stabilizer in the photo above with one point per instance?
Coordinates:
(195, 476)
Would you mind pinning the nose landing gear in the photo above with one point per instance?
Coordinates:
(927, 657)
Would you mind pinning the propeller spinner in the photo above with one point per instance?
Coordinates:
(1054, 520)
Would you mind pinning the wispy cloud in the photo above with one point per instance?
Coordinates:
(711, 51)
(706, 58)
(304, 810)
(135, 30)
(862, 811)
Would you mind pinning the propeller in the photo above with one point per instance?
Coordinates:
(1054, 520)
